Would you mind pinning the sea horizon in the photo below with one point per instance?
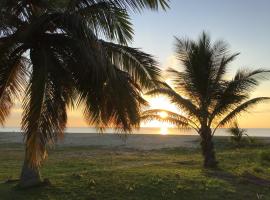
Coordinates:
(254, 132)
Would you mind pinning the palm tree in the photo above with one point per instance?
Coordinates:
(64, 54)
(237, 133)
(202, 92)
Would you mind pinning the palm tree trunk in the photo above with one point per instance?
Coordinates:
(208, 150)
(30, 175)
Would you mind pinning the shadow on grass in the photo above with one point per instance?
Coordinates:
(246, 178)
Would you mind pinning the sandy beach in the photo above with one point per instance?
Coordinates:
(134, 141)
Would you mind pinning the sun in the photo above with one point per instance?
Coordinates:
(163, 114)
(162, 104)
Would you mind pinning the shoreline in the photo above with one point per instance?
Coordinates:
(134, 141)
(253, 132)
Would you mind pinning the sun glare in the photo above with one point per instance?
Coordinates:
(160, 103)
(163, 114)
(163, 130)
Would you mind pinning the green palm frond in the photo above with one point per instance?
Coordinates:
(240, 109)
(141, 66)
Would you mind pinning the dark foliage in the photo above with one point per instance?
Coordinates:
(70, 53)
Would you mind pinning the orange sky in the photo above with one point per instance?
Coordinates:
(259, 117)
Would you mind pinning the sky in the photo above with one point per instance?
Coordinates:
(244, 24)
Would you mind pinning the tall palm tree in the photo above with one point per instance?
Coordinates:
(203, 93)
(57, 54)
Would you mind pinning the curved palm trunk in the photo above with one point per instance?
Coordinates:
(207, 146)
(30, 175)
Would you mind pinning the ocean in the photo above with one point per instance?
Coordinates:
(255, 132)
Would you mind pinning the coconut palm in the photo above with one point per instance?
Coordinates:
(237, 133)
(64, 54)
(202, 92)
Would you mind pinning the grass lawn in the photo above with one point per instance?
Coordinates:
(124, 174)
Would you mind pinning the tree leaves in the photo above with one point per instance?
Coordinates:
(13, 77)
(72, 65)
(210, 99)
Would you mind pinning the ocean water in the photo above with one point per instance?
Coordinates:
(255, 132)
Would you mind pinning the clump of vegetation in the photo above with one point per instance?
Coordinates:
(237, 134)
(265, 157)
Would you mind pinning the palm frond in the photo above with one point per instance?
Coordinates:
(173, 118)
(13, 79)
(204, 67)
(134, 5)
(109, 21)
(141, 66)
(244, 107)
(184, 104)
(202, 81)
(146, 115)
(197, 61)
(237, 90)
(118, 105)
(182, 84)
(222, 66)
(246, 80)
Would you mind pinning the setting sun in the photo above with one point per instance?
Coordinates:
(163, 114)
(161, 103)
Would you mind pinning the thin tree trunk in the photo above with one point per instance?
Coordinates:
(208, 150)
(30, 175)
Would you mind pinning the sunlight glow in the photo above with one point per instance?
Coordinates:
(162, 103)
(163, 114)
(164, 130)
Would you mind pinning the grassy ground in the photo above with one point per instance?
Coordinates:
(124, 174)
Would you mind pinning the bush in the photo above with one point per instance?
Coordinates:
(237, 134)
(265, 156)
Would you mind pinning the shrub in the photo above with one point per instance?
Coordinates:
(265, 156)
(237, 134)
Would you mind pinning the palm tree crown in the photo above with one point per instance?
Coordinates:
(201, 90)
(67, 53)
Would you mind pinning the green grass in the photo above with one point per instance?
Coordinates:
(93, 173)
